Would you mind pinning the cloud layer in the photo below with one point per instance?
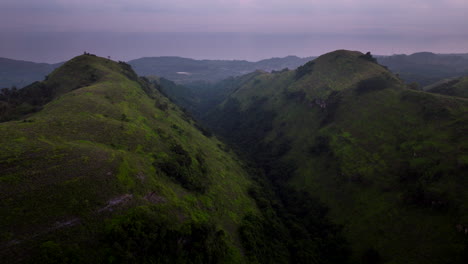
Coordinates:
(400, 26)
(275, 16)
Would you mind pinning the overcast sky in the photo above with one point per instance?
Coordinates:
(244, 29)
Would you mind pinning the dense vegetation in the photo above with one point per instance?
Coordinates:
(15, 103)
(382, 157)
(146, 235)
(337, 161)
(108, 170)
(452, 87)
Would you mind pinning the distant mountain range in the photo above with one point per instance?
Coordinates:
(424, 68)
(183, 70)
(21, 73)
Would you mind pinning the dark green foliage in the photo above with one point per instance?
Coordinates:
(371, 256)
(264, 240)
(148, 87)
(239, 127)
(163, 106)
(179, 166)
(128, 71)
(315, 238)
(298, 96)
(280, 71)
(302, 231)
(16, 103)
(176, 128)
(86, 158)
(360, 138)
(51, 252)
(445, 87)
(304, 69)
(206, 132)
(149, 236)
(414, 86)
(372, 84)
(416, 194)
(124, 118)
(186, 115)
(333, 102)
(321, 146)
(455, 87)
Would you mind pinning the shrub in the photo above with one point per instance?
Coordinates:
(372, 84)
(304, 69)
(145, 235)
(179, 166)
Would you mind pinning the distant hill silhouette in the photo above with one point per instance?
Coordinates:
(21, 73)
(425, 67)
(184, 70)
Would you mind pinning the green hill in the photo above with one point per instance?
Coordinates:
(453, 87)
(108, 170)
(389, 161)
(343, 163)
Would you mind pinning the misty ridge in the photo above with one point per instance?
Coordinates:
(424, 68)
(225, 132)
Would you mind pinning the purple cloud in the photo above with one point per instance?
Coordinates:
(399, 20)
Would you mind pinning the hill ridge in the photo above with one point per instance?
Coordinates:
(382, 156)
(114, 148)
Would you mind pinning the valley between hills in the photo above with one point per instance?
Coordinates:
(334, 159)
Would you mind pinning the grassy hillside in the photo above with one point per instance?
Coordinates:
(111, 171)
(389, 161)
(453, 87)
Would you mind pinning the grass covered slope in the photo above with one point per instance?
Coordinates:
(111, 171)
(390, 162)
(453, 87)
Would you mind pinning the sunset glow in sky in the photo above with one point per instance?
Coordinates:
(382, 26)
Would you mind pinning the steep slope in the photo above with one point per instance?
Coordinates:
(200, 97)
(183, 70)
(71, 76)
(390, 162)
(111, 171)
(21, 73)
